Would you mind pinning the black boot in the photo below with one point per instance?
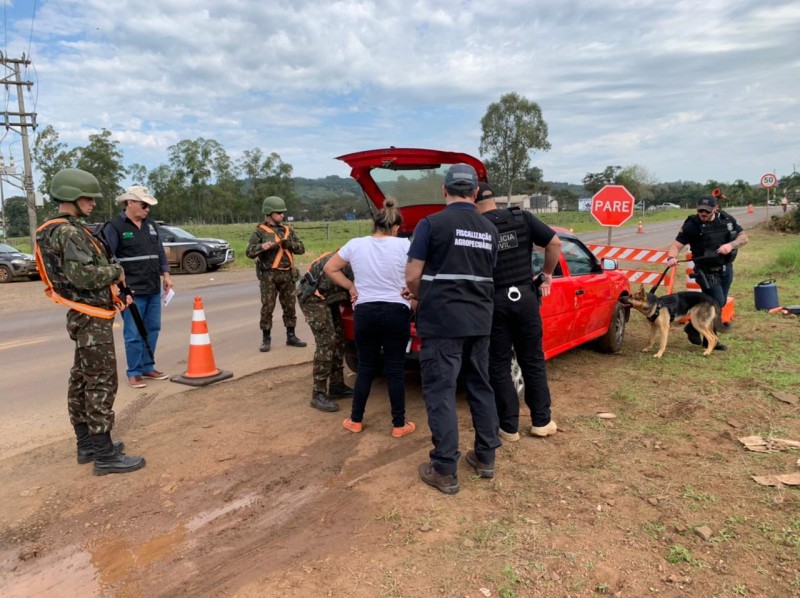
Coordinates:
(85, 446)
(321, 401)
(694, 336)
(108, 460)
(340, 390)
(718, 347)
(292, 340)
(266, 341)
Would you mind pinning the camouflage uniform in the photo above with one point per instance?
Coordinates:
(325, 322)
(275, 283)
(81, 272)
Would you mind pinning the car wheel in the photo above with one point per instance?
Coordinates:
(5, 274)
(516, 377)
(33, 277)
(611, 341)
(351, 361)
(194, 263)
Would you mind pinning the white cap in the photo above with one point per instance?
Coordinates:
(137, 193)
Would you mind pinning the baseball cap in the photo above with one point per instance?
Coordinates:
(484, 192)
(137, 193)
(707, 203)
(462, 177)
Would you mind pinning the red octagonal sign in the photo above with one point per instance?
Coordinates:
(612, 205)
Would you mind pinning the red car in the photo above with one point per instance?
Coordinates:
(583, 304)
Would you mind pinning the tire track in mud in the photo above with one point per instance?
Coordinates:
(275, 528)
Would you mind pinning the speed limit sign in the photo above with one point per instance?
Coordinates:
(769, 180)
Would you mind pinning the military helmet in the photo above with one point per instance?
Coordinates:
(273, 203)
(70, 184)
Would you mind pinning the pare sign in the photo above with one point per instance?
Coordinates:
(612, 205)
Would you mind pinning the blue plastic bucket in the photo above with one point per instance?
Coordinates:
(766, 295)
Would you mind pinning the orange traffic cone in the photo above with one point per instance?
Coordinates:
(750, 208)
(202, 369)
(640, 228)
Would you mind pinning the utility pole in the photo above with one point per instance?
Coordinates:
(13, 64)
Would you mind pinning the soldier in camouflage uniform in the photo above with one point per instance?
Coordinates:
(77, 273)
(273, 246)
(319, 301)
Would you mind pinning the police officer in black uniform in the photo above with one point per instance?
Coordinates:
(516, 322)
(449, 270)
(714, 237)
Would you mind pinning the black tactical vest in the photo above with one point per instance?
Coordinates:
(712, 235)
(514, 265)
(456, 290)
(137, 251)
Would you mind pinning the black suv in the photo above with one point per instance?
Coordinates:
(192, 254)
(15, 264)
(186, 252)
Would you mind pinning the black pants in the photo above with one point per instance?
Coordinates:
(382, 326)
(441, 360)
(517, 325)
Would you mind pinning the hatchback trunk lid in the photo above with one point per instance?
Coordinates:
(412, 176)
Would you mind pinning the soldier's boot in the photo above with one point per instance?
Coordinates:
(292, 340)
(266, 341)
(694, 336)
(108, 460)
(718, 347)
(85, 446)
(339, 390)
(321, 401)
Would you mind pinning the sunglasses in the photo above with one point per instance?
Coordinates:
(144, 205)
(703, 211)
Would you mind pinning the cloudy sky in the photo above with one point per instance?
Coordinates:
(691, 90)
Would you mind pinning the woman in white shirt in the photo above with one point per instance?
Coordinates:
(381, 316)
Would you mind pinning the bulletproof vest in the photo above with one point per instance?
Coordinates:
(713, 234)
(98, 302)
(137, 252)
(513, 265)
(456, 289)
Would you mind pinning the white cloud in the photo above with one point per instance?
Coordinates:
(619, 81)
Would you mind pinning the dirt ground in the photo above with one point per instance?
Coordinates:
(249, 492)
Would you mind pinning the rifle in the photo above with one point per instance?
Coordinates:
(125, 292)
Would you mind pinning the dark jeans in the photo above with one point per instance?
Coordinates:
(517, 325)
(722, 284)
(441, 360)
(381, 326)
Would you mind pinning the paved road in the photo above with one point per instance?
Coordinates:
(36, 353)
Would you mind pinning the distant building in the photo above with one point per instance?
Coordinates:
(531, 203)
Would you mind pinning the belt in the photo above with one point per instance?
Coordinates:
(522, 283)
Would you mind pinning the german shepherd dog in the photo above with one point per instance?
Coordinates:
(661, 311)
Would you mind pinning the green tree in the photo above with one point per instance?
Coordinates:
(17, 216)
(265, 176)
(594, 181)
(510, 130)
(638, 181)
(103, 159)
(49, 156)
(196, 164)
(138, 174)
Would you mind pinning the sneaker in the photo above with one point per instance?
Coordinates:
(136, 382)
(508, 436)
(484, 471)
(155, 375)
(543, 431)
(403, 430)
(354, 427)
(442, 482)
